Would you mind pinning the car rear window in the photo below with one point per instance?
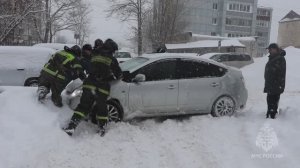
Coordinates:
(231, 57)
(122, 55)
(133, 63)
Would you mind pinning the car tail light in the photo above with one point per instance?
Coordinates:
(243, 80)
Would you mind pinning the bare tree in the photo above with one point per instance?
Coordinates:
(81, 21)
(166, 21)
(131, 10)
(43, 17)
(59, 15)
(13, 13)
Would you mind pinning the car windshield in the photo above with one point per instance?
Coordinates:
(122, 55)
(133, 63)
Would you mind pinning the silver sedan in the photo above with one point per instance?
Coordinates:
(173, 84)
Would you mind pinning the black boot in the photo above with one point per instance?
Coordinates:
(42, 93)
(72, 125)
(57, 103)
(273, 115)
(71, 128)
(69, 131)
(101, 131)
(268, 115)
(102, 127)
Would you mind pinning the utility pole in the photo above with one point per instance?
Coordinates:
(140, 36)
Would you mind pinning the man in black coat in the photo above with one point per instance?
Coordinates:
(275, 75)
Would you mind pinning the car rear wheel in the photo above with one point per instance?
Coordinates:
(224, 106)
(115, 111)
(32, 82)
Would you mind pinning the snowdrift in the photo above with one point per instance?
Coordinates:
(30, 134)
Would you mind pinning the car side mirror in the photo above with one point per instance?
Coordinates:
(139, 78)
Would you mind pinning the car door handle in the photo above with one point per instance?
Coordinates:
(171, 87)
(20, 69)
(215, 84)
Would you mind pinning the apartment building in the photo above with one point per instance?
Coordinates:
(230, 18)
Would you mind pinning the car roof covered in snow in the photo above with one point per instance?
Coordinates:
(24, 50)
(194, 56)
(55, 46)
(21, 57)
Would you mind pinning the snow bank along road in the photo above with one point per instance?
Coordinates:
(30, 135)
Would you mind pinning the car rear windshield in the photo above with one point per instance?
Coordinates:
(133, 63)
(122, 55)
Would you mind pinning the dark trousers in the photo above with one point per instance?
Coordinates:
(92, 104)
(48, 82)
(273, 102)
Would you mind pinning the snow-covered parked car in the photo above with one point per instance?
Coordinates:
(54, 46)
(173, 84)
(21, 66)
(122, 56)
(231, 59)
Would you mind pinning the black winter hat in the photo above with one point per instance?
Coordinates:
(111, 45)
(273, 45)
(87, 47)
(98, 43)
(76, 50)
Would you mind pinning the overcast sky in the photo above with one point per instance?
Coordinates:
(103, 27)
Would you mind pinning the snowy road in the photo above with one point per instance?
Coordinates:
(30, 135)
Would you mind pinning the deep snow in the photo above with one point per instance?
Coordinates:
(30, 134)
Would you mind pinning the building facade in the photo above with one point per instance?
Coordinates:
(289, 30)
(229, 18)
(263, 29)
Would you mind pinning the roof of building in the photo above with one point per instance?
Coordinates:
(208, 37)
(291, 16)
(206, 44)
(264, 8)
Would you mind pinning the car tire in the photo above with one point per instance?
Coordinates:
(223, 106)
(115, 111)
(32, 82)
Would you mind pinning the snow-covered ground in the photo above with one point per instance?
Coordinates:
(30, 135)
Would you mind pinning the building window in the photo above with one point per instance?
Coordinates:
(213, 33)
(236, 35)
(228, 21)
(239, 7)
(215, 6)
(260, 34)
(214, 21)
(262, 23)
(262, 12)
(238, 22)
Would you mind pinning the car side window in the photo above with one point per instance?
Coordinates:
(189, 69)
(159, 70)
(216, 58)
(233, 57)
(245, 57)
(224, 58)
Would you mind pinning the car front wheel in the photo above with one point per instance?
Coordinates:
(115, 111)
(223, 106)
